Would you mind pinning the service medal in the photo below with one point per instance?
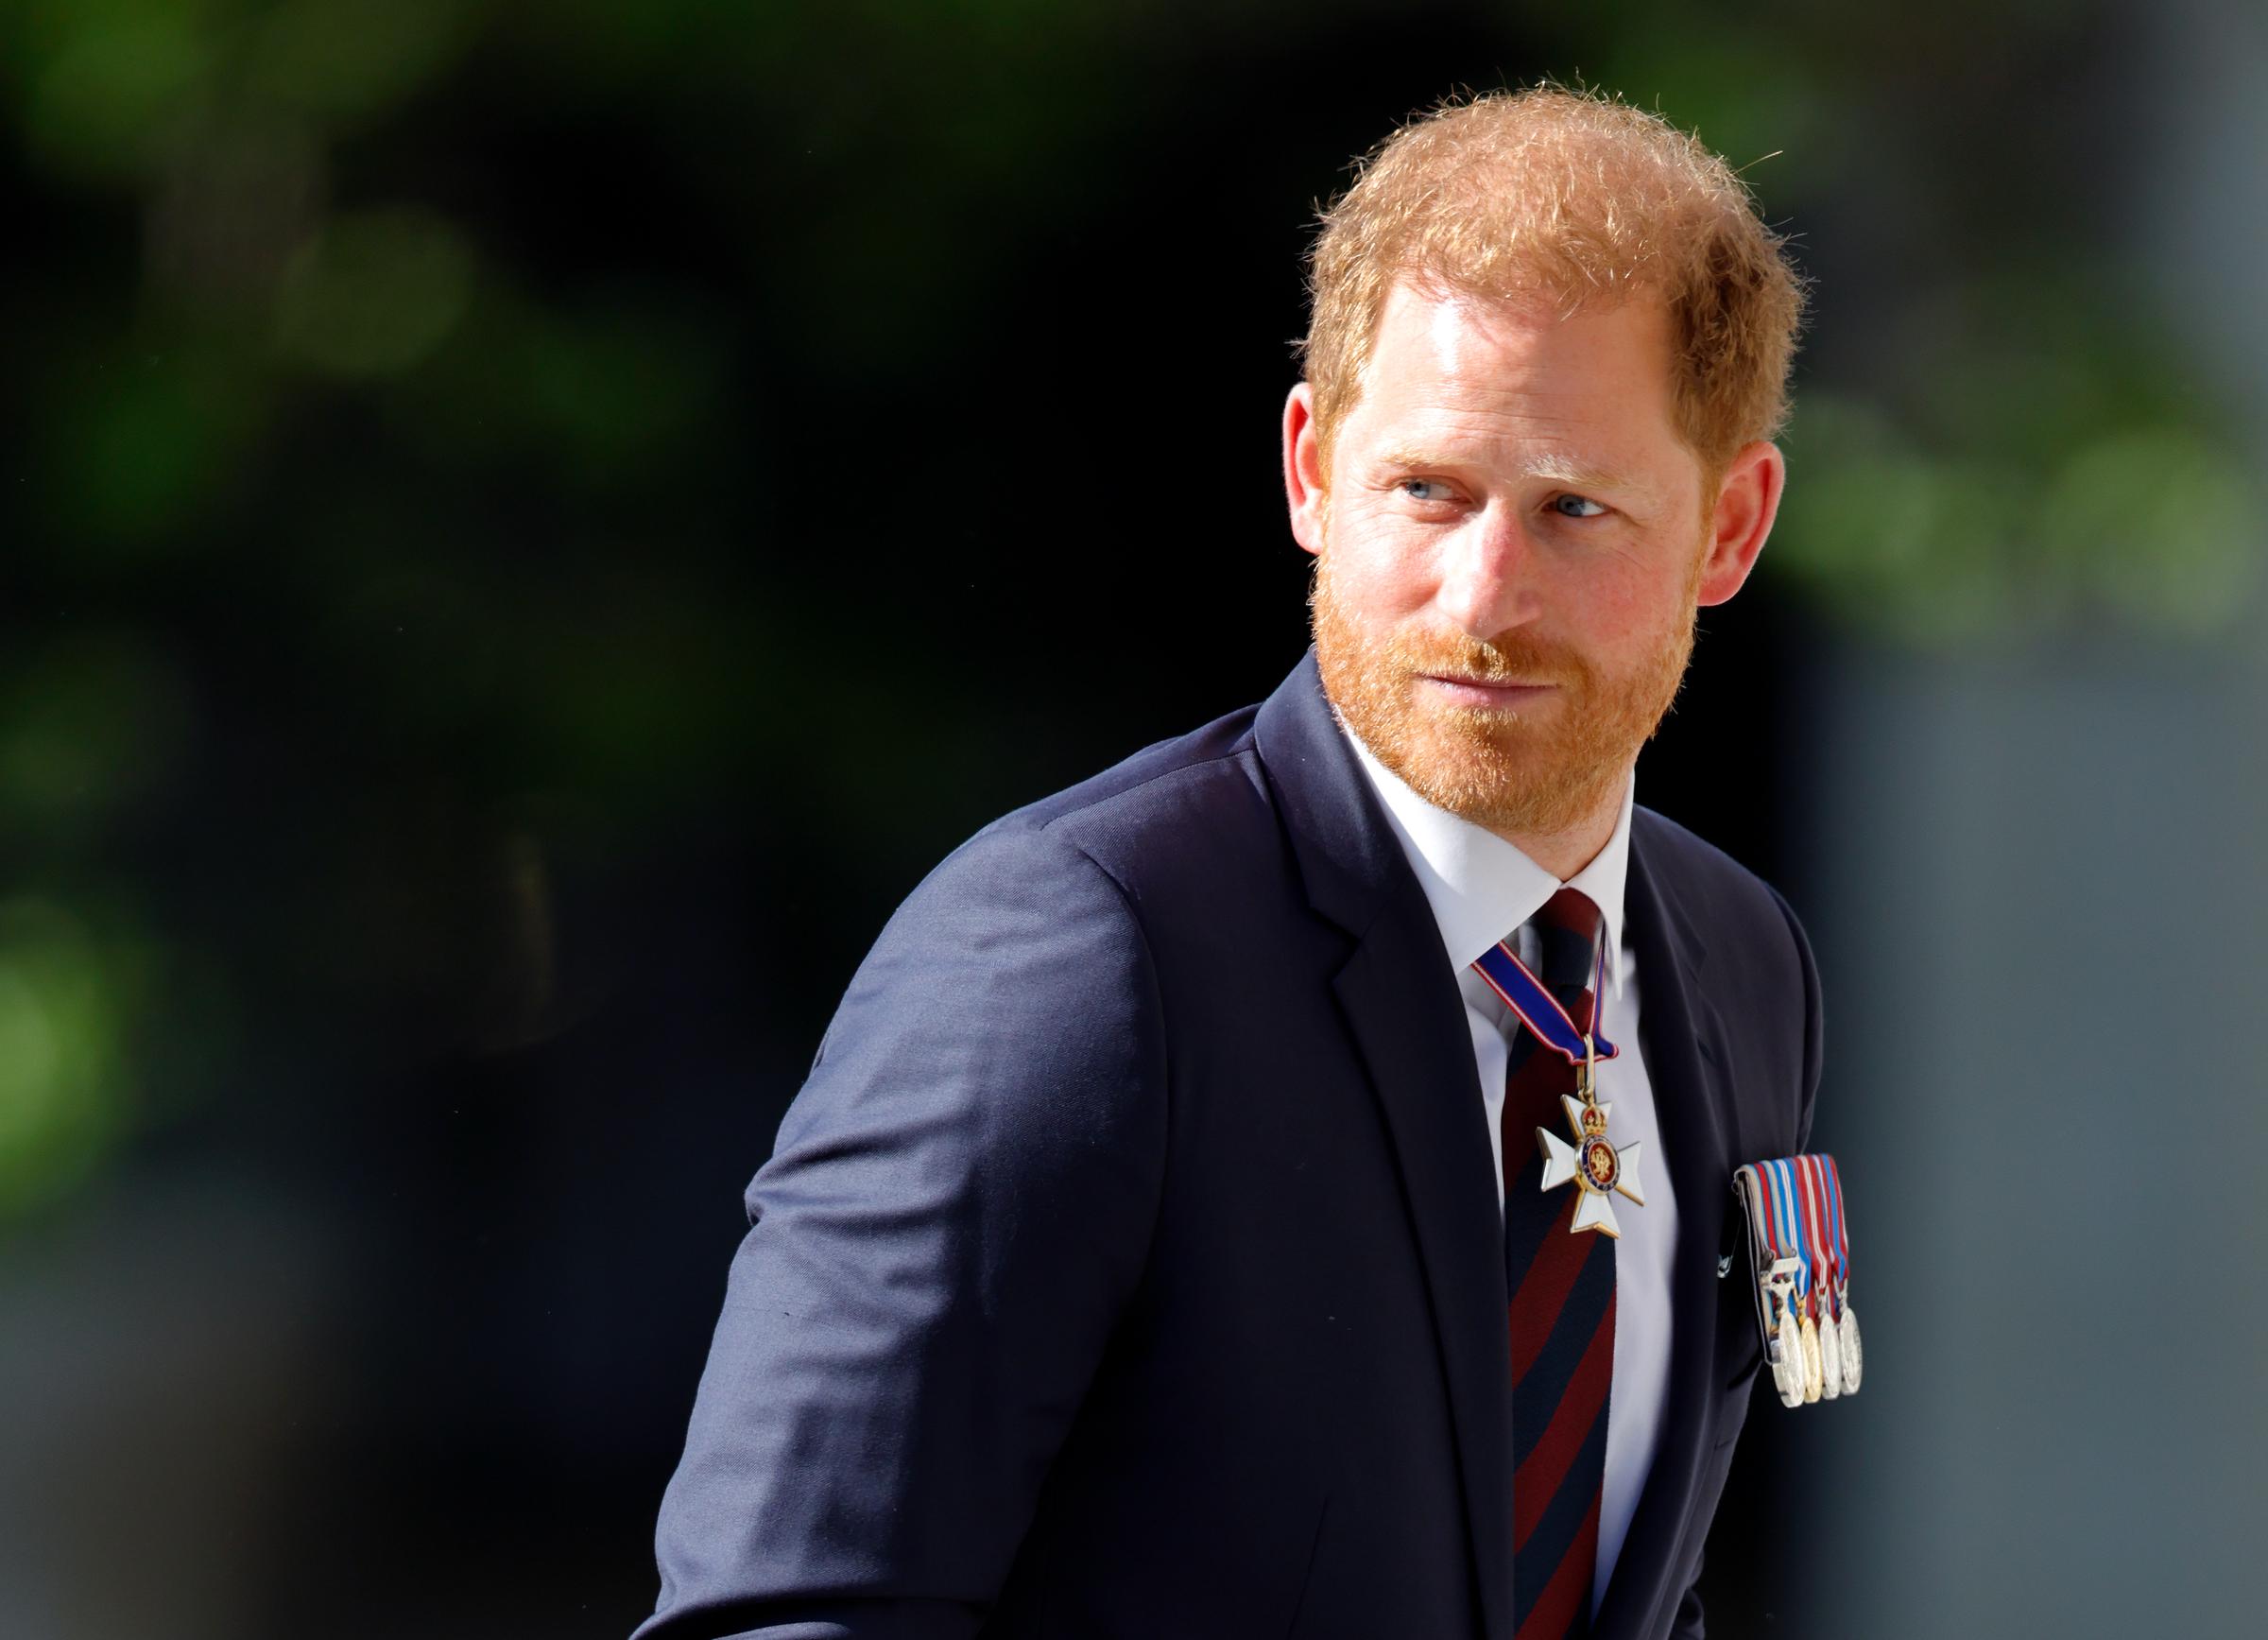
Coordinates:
(1819, 1225)
(1800, 1248)
(1787, 1372)
(1774, 1279)
(1846, 1320)
(1787, 1378)
(1785, 1343)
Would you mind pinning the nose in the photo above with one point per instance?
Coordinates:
(1487, 574)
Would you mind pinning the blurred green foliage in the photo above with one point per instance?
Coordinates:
(68, 998)
(311, 419)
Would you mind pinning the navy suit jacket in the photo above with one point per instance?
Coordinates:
(1130, 1264)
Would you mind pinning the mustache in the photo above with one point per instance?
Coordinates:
(1514, 658)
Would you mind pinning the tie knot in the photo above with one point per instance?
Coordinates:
(1573, 910)
(1568, 925)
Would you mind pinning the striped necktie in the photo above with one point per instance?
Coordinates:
(1562, 1312)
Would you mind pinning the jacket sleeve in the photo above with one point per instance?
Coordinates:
(956, 1212)
(1690, 1622)
(1814, 1021)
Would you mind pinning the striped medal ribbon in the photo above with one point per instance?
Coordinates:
(1540, 1011)
(1799, 1245)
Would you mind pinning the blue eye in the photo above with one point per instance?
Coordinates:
(1411, 486)
(1559, 505)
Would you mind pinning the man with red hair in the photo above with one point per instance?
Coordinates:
(1280, 1185)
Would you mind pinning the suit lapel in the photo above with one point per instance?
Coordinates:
(1408, 1021)
(1685, 1056)
(1417, 1048)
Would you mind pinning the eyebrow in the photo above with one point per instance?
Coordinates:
(1564, 470)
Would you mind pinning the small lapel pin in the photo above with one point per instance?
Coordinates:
(1724, 1265)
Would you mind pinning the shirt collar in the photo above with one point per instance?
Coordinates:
(1481, 886)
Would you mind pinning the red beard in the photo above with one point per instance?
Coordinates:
(1537, 772)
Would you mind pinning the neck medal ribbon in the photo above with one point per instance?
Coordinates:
(1799, 1254)
(1597, 1167)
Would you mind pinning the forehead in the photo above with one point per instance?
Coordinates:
(1462, 365)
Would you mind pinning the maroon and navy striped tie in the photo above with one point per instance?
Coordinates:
(1562, 1312)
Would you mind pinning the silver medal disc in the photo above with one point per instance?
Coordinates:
(1831, 1359)
(1782, 1344)
(1787, 1366)
(1852, 1358)
(1790, 1394)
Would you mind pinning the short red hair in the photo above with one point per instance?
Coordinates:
(1564, 197)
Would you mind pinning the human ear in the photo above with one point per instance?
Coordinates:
(1747, 501)
(1304, 485)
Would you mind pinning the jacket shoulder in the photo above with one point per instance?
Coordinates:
(1189, 795)
(1715, 888)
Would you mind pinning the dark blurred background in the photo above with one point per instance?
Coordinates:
(530, 527)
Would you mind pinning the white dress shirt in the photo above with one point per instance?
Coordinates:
(1482, 889)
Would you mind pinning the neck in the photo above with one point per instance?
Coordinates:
(1565, 852)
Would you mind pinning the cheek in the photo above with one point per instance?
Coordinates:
(1624, 603)
(1382, 563)
(1617, 609)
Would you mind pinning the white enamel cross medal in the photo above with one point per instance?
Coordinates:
(1597, 1167)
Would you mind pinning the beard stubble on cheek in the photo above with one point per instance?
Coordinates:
(1537, 772)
